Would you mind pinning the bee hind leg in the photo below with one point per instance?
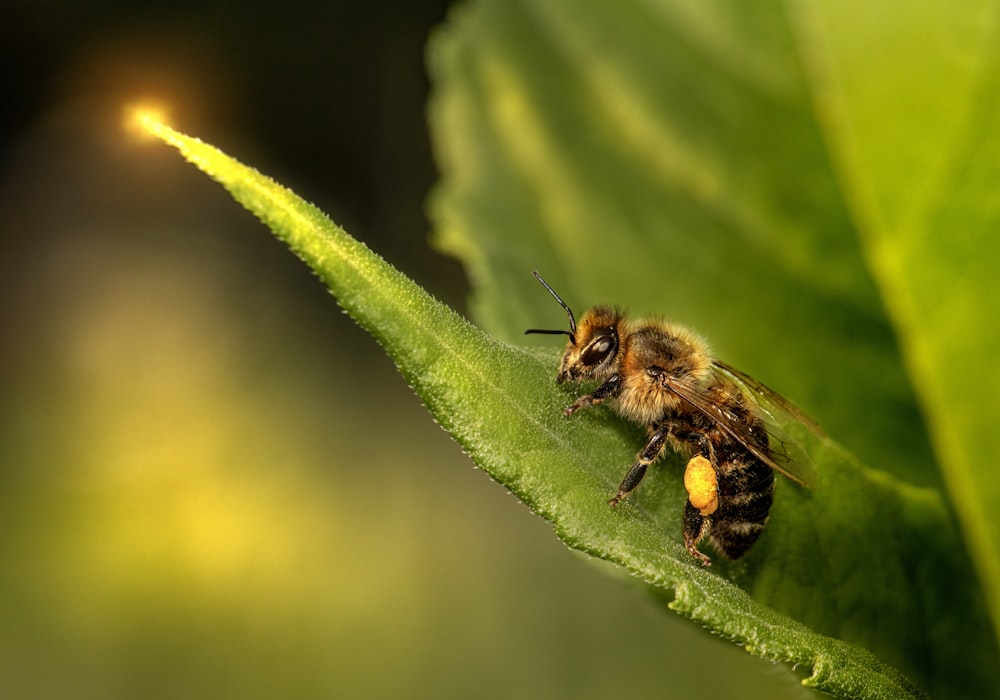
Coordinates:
(695, 528)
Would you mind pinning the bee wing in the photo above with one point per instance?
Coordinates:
(790, 430)
(768, 399)
(783, 452)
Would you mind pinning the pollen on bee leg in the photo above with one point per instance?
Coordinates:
(702, 485)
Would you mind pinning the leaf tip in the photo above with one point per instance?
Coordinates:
(145, 119)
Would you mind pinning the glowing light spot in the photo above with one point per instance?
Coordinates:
(144, 119)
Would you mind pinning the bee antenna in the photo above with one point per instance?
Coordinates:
(547, 332)
(572, 321)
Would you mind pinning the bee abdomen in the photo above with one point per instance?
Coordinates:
(746, 490)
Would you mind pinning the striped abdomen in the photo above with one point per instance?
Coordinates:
(745, 488)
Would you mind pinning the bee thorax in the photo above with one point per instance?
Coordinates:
(644, 399)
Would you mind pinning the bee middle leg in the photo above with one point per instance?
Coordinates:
(653, 449)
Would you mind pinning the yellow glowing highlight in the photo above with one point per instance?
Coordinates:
(145, 119)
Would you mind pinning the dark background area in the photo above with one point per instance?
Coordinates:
(212, 484)
(329, 98)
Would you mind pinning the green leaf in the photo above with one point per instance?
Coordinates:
(668, 159)
(500, 403)
(676, 158)
(920, 144)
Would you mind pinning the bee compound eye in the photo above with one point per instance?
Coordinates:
(598, 350)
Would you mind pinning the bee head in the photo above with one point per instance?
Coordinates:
(593, 345)
(592, 352)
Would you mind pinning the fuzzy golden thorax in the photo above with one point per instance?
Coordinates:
(653, 349)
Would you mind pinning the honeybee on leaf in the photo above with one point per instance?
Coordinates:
(726, 423)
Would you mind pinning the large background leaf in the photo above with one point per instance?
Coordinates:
(919, 146)
(679, 161)
(669, 161)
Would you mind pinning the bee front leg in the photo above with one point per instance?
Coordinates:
(648, 455)
(609, 389)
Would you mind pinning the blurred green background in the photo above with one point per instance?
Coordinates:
(212, 484)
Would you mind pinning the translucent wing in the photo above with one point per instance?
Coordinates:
(790, 430)
(788, 427)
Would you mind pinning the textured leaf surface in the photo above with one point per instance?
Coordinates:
(501, 405)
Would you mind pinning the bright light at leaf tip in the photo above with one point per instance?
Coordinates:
(144, 119)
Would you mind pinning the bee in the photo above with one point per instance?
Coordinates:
(727, 424)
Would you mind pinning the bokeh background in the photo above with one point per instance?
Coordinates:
(212, 484)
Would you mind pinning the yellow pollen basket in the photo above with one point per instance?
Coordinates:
(702, 485)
